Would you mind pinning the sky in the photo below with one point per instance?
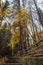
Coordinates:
(8, 0)
(39, 2)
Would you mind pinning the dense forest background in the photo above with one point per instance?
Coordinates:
(21, 32)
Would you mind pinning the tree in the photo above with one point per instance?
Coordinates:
(40, 20)
(3, 11)
(19, 29)
(5, 36)
(41, 15)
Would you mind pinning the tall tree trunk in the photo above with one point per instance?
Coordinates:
(0, 15)
(21, 46)
(37, 11)
(0, 3)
